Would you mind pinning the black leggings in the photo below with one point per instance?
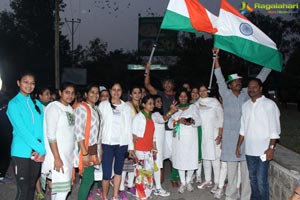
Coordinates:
(27, 173)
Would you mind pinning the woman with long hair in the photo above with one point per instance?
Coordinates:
(116, 138)
(87, 130)
(145, 147)
(59, 141)
(27, 149)
(160, 119)
(128, 168)
(185, 123)
(211, 114)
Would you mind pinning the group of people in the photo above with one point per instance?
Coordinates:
(129, 141)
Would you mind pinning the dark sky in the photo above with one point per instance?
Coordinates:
(116, 21)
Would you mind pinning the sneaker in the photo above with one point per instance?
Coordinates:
(161, 192)
(40, 196)
(198, 179)
(189, 187)
(115, 198)
(99, 192)
(218, 194)
(214, 189)
(181, 188)
(91, 195)
(131, 191)
(122, 195)
(204, 185)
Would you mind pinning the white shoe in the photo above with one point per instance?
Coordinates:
(161, 192)
(204, 185)
(214, 189)
(189, 187)
(218, 194)
(181, 188)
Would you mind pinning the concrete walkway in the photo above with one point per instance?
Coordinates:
(8, 191)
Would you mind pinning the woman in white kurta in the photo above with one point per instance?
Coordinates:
(159, 122)
(59, 142)
(185, 139)
(211, 114)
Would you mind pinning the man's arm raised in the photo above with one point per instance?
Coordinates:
(147, 82)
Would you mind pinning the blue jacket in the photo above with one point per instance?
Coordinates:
(28, 134)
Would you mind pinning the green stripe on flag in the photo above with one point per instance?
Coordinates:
(250, 51)
(174, 21)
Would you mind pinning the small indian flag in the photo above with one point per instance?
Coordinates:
(188, 16)
(237, 35)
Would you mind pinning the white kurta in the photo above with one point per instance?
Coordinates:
(159, 135)
(211, 114)
(185, 144)
(59, 127)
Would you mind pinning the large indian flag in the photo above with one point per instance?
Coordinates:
(177, 17)
(237, 35)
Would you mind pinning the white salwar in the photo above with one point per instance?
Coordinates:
(59, 128)
(211, 114)
(159, 135)
(185, 143)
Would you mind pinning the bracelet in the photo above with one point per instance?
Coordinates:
(83, 155)
(146, 73)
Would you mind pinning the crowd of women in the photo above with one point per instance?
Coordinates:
(123, 141)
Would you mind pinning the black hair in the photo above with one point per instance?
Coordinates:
(256, 80)
(89, 87)
(42, 89)
(135, 87)
(179, 91)
(145, 99)
(26, 73)
(31, 97)
(64, 85)
(112, 106)
(155, 108)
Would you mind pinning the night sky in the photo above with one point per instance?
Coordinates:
(116, 21)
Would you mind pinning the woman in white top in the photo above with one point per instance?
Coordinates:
(59, 142)
(159, 122)
(211, 113)
(185, 123)
(116, 138)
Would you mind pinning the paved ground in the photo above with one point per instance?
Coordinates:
(8, 192)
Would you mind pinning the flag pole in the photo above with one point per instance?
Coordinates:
(154, 47)
(212, 71)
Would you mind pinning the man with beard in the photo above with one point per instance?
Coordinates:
(260, 128)
(233, 99)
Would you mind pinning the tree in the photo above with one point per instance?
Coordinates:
(27, 38)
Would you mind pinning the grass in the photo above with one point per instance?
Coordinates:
(290, 128)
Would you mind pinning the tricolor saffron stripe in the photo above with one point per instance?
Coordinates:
(237, 35)
(201, 19)
(177, 17)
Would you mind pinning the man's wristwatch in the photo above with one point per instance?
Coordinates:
(272, 147)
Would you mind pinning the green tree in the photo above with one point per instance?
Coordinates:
(27, 38)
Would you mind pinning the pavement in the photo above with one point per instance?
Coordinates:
(8, 191)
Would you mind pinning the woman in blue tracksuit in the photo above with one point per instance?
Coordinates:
(27, 149)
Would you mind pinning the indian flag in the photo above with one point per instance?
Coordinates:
(183, 15)
(237, 35)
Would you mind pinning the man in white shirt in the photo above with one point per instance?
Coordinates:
(260, 128)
